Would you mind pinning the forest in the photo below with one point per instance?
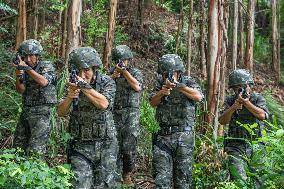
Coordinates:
(213, 38)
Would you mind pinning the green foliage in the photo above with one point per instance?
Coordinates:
(95, 26)
(18, 171)
(7, 9)
(262, 48)
(276, 110)
(149, 126)
(10, 106)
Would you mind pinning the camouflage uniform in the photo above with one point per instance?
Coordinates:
(93, 149)
(34, 126)
(126, 111)
(174, 142)
(238, 142)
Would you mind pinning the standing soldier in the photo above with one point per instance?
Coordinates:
(93, 148)
(174, 96)
(126, 108)
(36, 81)
(244, 107)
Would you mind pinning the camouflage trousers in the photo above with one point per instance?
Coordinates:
(33, 128)
(239, 154)
(127, 124)
(94, 164)
(172, 160)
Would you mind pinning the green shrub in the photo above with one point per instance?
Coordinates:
(18, 171)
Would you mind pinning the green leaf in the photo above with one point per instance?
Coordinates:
(280, 133)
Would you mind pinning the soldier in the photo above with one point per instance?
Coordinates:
(36, 81)
(93, 148)
(126, 108)
(175, 97)
(244, 107)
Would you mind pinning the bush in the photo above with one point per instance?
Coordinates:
(18, 171)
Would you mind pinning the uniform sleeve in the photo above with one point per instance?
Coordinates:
(157, 87)
(139, 77)
(48, 72)
(229, 101)
(261, 103)
(193, 84)
(108, 91)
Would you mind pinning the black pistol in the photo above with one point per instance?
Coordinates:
(16, 61)
(73, 79)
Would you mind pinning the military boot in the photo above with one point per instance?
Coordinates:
(127, 179)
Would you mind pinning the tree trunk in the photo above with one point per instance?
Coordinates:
(21, 25)
(110, 33)
(73, 27)
(35, 20)
(202, 22)
(140, 12)
(235, 35)
(241, 32)
(42, 16)
(214, 50)
(179, 26)
(224, 26)
(189, 36)
(275, 39)
(64, 32)
(250, 36)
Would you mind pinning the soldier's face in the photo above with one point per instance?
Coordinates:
(31, 59)
(238, 88)
(86, 74)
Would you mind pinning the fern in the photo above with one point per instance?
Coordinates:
(7, 9)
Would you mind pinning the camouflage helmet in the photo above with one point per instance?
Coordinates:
(121, 52)
(170, 63)
(30, 47)
(84, 57)
(240, 77)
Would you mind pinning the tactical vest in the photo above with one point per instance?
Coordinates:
(87, 122)
(34, 94)
(125, 96)
(244, 116)
(176, 110)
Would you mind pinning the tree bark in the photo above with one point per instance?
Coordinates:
(110, 33)
(250, 37)
(189, 37)
(275, 39)
(235, 35)
(35, 20)
(64, 32)
(224, 26)
(179, 26)
(140, 12)
(214, 50)
(241, 32)
(21, 25)
(202, 22)
(73, 27)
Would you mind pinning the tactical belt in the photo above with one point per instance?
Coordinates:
(173, 129)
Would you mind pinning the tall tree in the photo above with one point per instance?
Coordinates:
(110, 32)
(140, 12)
(22, 22)
(180, 25)
(189, 36)
(250, 36)
(35, 18)
(64, 31)
(202, 23)
(224, 25)
(235, 35)
(73, 26)
(241, 34)
(214, 50)
(275, 38)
